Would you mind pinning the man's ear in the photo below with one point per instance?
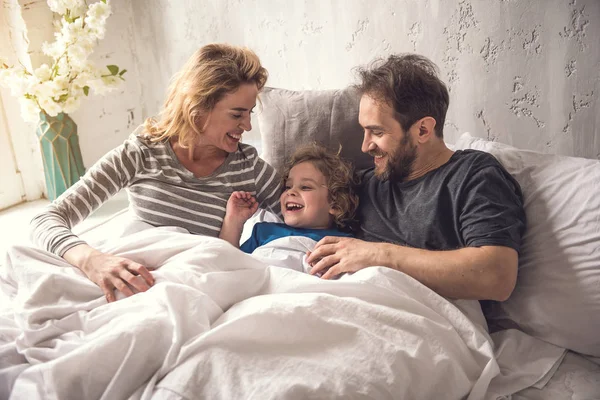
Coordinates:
(426, 129)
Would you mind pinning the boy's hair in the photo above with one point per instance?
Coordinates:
(409, 83)
(341, 183)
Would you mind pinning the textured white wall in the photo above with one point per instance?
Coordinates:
(24, 26)
(104, 122)
(523, 72)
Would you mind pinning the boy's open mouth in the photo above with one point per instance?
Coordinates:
(293, 206)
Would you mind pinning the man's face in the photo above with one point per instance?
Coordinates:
(393, 150)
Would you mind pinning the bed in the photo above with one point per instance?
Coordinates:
(220, 324)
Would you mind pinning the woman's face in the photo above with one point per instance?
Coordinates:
(230, 117)
(305, 199)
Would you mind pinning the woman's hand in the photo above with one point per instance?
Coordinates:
(110, 272)
(240, 207)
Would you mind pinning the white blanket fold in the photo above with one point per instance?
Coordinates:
(221, 324)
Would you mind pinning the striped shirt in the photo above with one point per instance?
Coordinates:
(161, 191)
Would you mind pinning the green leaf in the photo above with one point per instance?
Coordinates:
(63, 98)
(86, 90)
(122, 72)
(114, 70)
(104, 1)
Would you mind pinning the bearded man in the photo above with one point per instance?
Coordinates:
(453, 220)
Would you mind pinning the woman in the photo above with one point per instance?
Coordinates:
(179, 169)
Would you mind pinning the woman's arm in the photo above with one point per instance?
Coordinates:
(51, 229)
(268, 186)
(110, 272)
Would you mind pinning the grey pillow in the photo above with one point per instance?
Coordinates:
(288, 119)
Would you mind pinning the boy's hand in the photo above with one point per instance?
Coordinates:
(240, 207)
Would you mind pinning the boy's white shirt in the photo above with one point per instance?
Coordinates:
(286, 252)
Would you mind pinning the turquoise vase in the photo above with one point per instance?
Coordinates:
(59, 143)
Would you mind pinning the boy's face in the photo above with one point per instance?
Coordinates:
(304, 201)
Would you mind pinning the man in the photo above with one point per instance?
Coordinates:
(452, 220)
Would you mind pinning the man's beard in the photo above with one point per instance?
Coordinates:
(400, 163)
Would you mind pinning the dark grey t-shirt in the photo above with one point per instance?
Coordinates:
(470, 201)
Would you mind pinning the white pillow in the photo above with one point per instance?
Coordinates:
(557, 297)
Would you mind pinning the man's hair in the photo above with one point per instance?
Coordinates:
(212, 72)
(409, 83)
(339, 175)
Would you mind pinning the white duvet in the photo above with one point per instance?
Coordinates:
(221, 324)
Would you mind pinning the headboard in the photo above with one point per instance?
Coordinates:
(290, 118)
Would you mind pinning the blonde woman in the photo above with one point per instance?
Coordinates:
(179, 169)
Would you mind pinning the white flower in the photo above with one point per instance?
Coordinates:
(71, 32)
(57, 6)
(96, 18)
(60, 86)
(78, 54)
(105, 84)
(97, 29)
(43, 90)
(87, 72)
(43, 73)
(50, 106)
(62, 67)
(75, 7)
(54, 50)
(51, 89)
(6, 74)
(21, 83)
(29, 110)
(72, 104)
(97, 13)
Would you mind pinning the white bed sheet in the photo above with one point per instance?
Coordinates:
(577, 378)
(573, 373)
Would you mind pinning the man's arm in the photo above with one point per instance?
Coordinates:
(480, 273)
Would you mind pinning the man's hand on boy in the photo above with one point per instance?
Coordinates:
(334, 255)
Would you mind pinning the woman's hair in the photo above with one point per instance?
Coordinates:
(339, 175)
(211, 72)
(409, 83)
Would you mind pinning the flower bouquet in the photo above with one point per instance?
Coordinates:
(48, 93)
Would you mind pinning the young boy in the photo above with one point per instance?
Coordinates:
(318, 200)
